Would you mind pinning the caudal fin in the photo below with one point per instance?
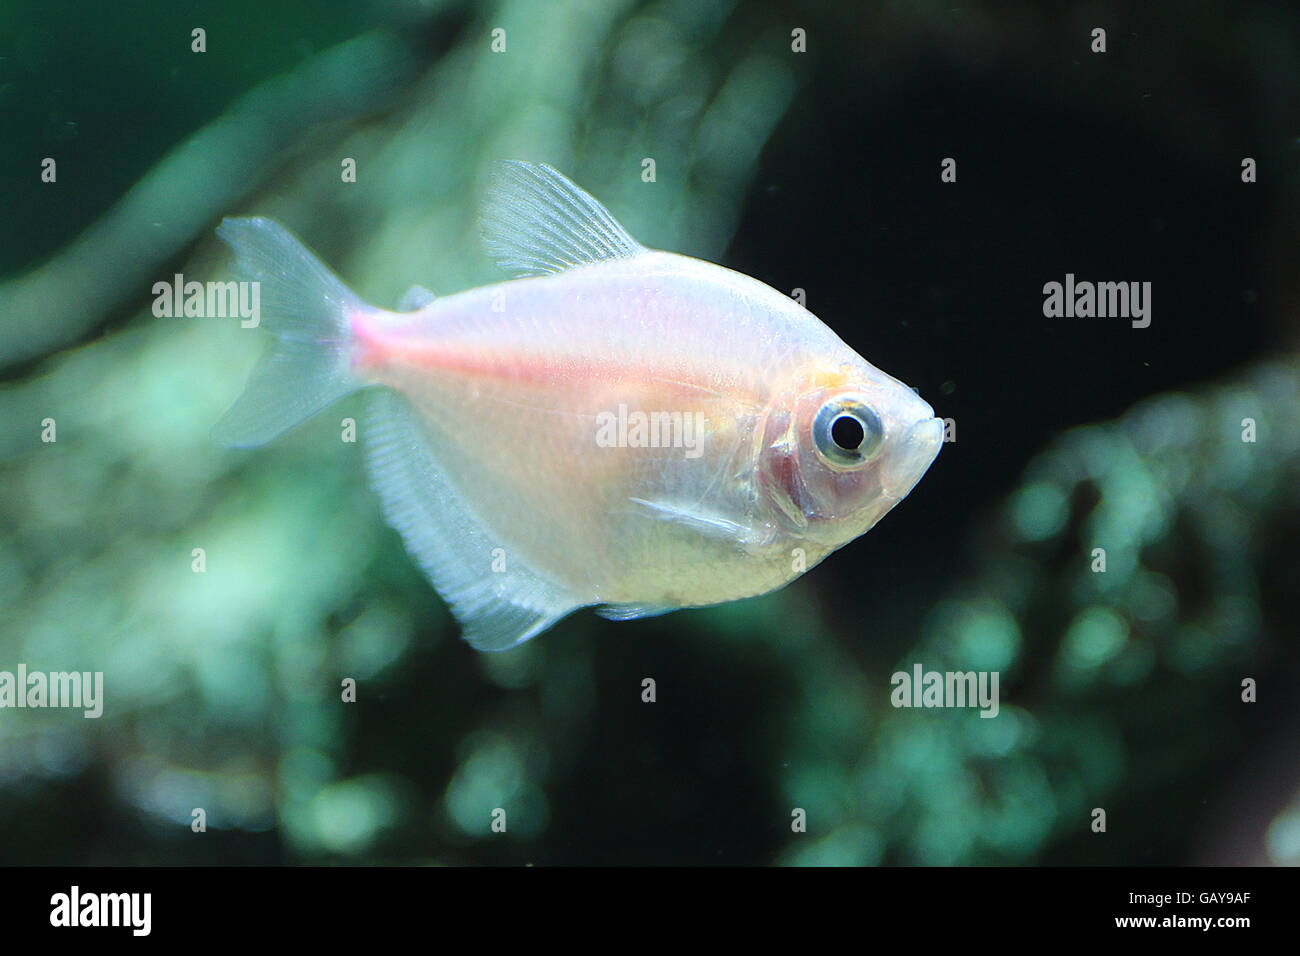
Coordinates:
(308, 309)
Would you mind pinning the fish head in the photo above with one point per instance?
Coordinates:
(840, 447)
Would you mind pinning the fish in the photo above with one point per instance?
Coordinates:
(614, 426)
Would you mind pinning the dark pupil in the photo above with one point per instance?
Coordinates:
(847, 432)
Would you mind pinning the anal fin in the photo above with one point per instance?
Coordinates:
(496, 609)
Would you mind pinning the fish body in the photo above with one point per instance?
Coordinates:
(621, 427)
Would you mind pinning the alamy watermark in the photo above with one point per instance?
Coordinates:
(625, 429)
(82, 690)
(128, 910)
(923, 688)
(208, 300)
(1102, 300)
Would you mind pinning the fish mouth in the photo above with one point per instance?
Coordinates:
(916, 451)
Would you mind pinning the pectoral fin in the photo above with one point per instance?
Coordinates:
(710, 525)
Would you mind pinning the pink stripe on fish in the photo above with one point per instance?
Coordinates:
(376, 346)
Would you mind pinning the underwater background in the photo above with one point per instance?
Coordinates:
(816, 169)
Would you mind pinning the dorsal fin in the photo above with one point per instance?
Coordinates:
(535, 222)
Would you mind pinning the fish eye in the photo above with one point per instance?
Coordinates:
(847, 433)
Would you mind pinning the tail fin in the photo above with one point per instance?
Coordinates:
(308, 309)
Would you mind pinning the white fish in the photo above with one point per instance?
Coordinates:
(623, 427)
